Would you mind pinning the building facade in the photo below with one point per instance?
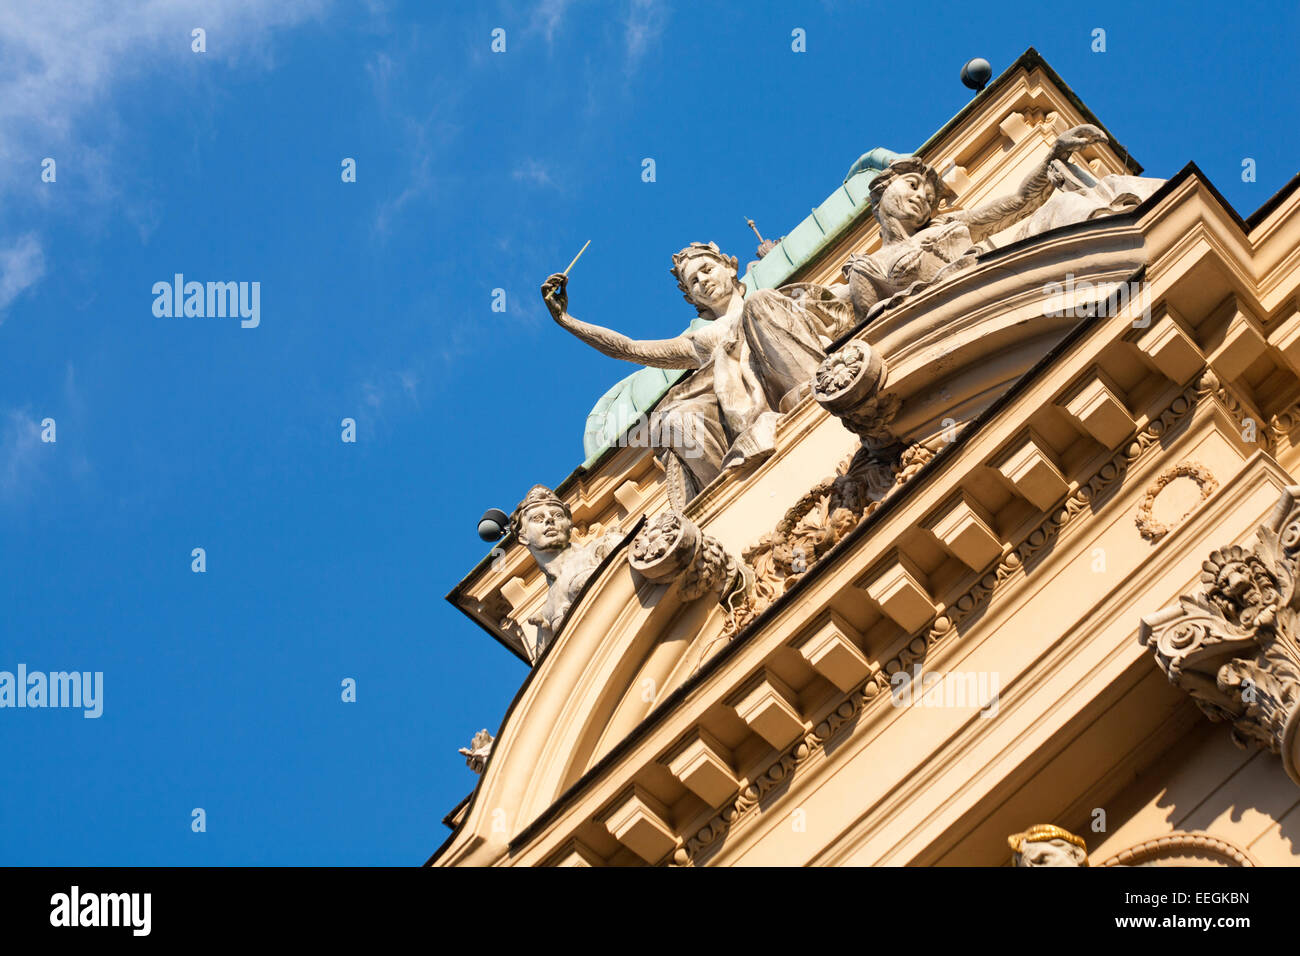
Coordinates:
(967, 536)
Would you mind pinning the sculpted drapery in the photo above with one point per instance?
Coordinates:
(753, 361)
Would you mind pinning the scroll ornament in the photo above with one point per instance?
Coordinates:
(847, 384)
(1233, 645)
(672, 547)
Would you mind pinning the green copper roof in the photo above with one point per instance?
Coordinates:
(824, 225)
(624, 404)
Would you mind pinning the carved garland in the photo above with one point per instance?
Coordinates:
(943, 626)
(818, 521)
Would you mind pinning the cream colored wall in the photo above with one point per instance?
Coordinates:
(1064, 642)
(1207, 784)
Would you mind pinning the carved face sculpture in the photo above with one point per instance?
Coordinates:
(1050, 853)
(1235, 581)
(545, 527)
(909, 199)
(709, 282)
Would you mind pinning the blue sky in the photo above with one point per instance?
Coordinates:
(475, 171)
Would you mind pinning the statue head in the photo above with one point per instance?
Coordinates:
(542, 521)
(1048, 845)
(909, 192)
(707, 277)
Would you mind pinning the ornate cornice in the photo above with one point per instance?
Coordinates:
(1210, 385)
(941, 627)
(1284, 422)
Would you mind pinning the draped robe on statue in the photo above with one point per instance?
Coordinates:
(754, 367)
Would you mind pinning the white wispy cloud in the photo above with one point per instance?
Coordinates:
(642, 27)
(22, 264)
(20, 447)
(418, 178)
(547, 17)
(534, 172)
(61, 63)
(61, 60)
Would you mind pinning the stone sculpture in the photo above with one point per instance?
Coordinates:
(1080, 196)
(920, 248)
(544, 525)
(1048, 845)
(478, 751)
(753, 361)
(672, 548)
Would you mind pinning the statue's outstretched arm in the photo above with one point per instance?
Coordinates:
(677, 352)
(998, 214)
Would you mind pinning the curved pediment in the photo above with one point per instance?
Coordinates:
(622, 645)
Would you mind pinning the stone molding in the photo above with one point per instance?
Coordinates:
(1180, 844)
(1209, 384)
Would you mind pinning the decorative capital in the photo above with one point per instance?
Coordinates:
(1232, 645)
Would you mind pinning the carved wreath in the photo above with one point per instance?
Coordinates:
(1153, 530)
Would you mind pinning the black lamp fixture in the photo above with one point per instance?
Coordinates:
(493, 525)
(976, 74)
